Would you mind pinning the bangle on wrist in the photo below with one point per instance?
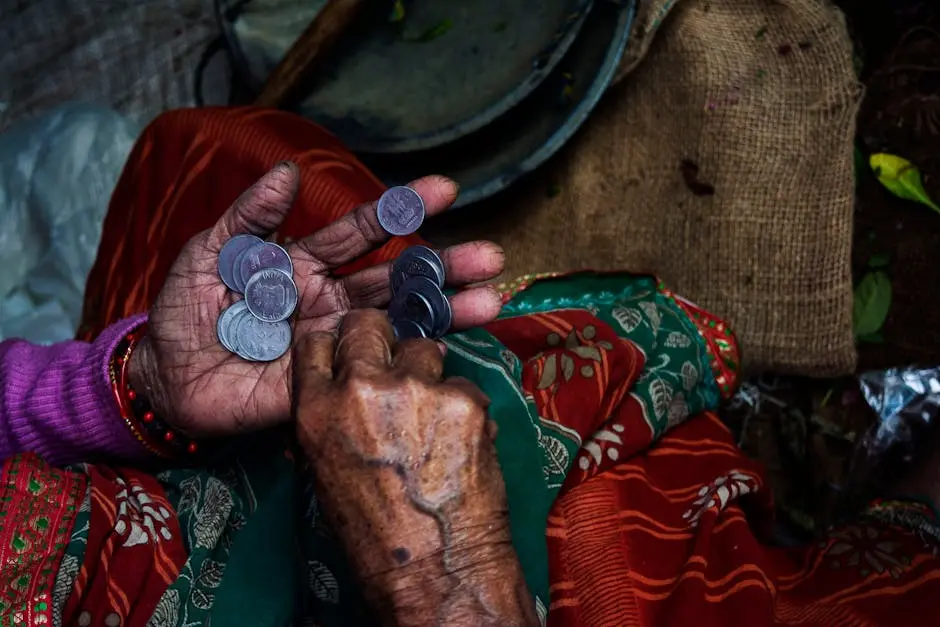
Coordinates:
(154, 433)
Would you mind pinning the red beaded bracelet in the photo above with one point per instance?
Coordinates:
(155, 434)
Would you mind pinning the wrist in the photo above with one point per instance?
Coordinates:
(141, 398)
(144, 378)
(484, 585)
(473, 578)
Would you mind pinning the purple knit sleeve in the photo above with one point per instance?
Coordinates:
(56, 400)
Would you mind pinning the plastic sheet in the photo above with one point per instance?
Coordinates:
(56, 177)
(906, 401)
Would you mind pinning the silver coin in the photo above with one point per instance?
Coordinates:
(271, 295)
(430, 255)
(409, 305)
(442, 315)
(407, 329)
(260, 257)
(232, 333)
(400, 211)
(417, 261)
(230, 252)
(224, 326)
(257, 340)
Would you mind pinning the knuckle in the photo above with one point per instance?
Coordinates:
(357, 387)
(460, 404)
(367, 223)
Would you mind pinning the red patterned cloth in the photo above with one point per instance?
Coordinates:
(101, 543)
(37, 510)
(134, 550)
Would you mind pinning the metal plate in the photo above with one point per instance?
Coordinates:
(445, 70)
(491, 159)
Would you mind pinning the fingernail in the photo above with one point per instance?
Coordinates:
(443, 348)
(286, 165)
(497, 295)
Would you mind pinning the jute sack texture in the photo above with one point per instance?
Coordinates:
(753, 99)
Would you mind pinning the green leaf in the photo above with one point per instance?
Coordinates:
(872, 338)
(901, 178)
(398, 12)
(872, 302)
(881, 260)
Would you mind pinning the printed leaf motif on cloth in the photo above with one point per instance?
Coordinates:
(716, 496)
(865, 550)
(139, 518)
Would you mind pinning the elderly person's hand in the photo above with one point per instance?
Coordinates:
(203, 389)
(406, 470)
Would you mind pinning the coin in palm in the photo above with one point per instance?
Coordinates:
(226, 322)
(271, 295)
(265, 255)
(229, 253)
(257, 340)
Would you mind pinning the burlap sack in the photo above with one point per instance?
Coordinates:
(723, 163)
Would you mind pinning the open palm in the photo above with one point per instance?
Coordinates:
(205, 390)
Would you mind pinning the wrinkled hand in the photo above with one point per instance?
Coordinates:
(407, 471)
(203, 389)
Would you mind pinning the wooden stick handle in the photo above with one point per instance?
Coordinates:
(307, 51)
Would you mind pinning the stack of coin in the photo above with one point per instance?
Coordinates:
(419, 308)
(256, 328)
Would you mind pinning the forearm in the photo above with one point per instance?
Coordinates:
(426, 559)
(56, 400)
(461, 584)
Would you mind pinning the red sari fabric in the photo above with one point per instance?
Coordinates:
(678, 536)
(674, 534)
(187, 167)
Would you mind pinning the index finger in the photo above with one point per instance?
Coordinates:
(312, 366)
(365, 342)
(359, 231)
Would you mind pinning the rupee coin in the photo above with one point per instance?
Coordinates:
(407, 329)
(271, 295)
(224, 325)
(229, 253)
(417, 261)
(421, 300)
(411, 306)
(400, 210)
(262, 256)
(257, 340)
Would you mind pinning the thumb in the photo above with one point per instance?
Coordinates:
(261, 209)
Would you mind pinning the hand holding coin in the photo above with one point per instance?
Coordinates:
(406, 468)
(183, 364)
